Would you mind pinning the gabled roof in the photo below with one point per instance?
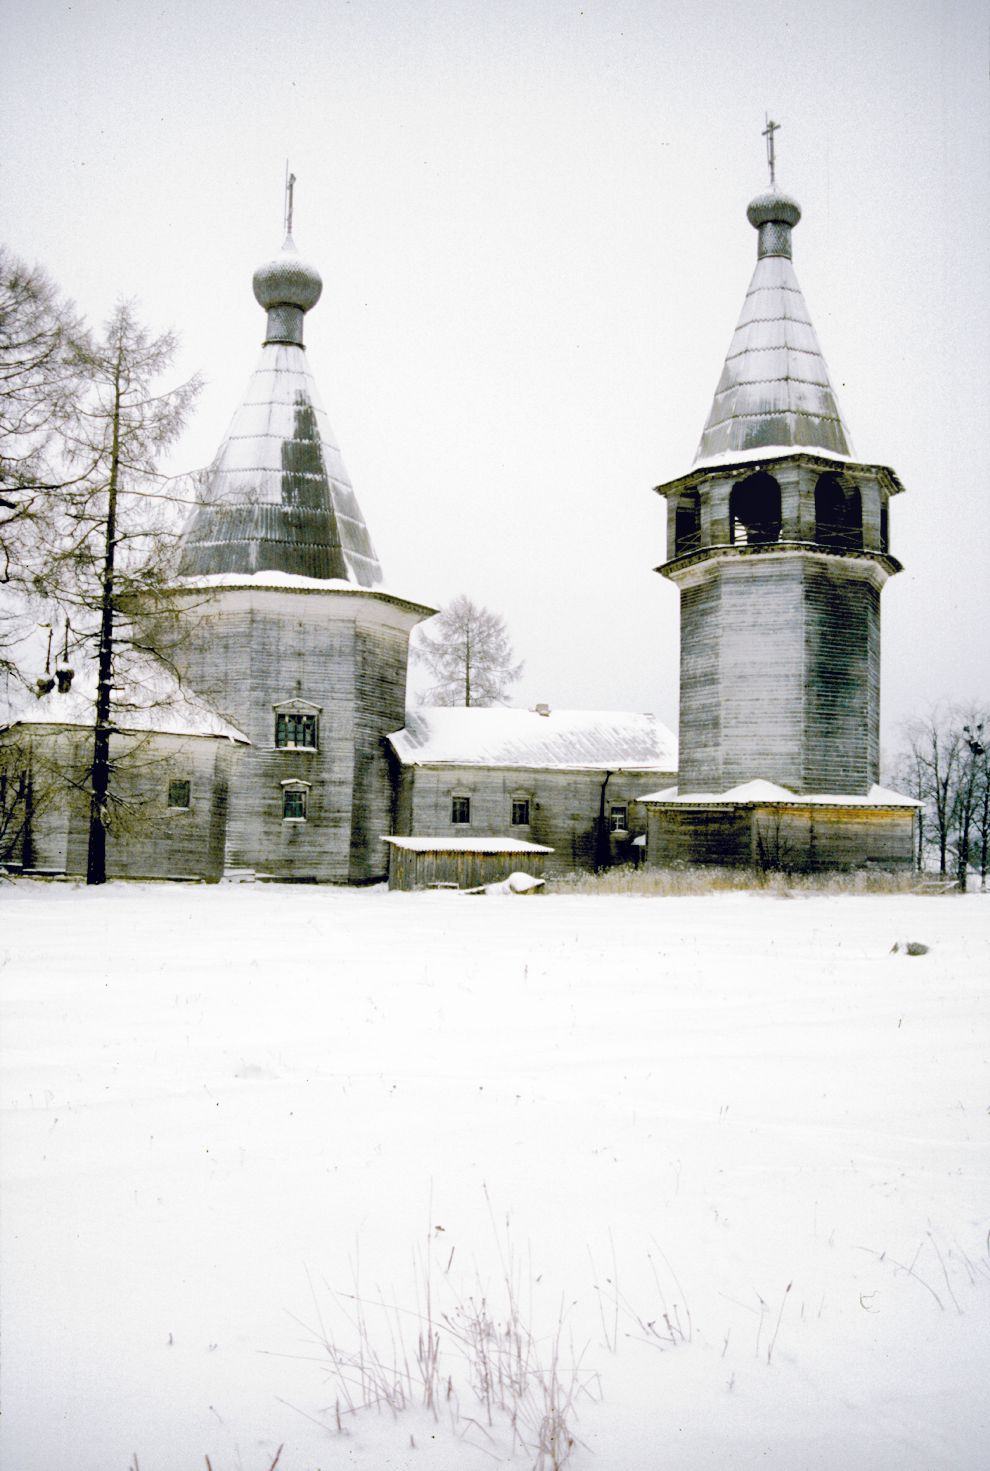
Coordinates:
(278, 496)
(593, 740)
(774, 392)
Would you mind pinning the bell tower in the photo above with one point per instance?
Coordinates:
(778, 540)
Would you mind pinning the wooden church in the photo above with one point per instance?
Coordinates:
(280, 746)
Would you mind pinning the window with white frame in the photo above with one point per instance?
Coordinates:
(297, 726)
(295, 801)
(460, 809)
(520, 812)
(618, 817)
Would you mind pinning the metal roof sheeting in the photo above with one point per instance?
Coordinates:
(566, 739)
(775, 390)
(278, 496)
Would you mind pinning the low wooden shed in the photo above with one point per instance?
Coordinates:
(460, 862)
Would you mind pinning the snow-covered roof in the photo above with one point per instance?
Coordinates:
(758, 792)
(466, 845)
(151, 698)
(292, 582)
(575, 740)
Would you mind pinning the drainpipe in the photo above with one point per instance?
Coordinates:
(601, 844)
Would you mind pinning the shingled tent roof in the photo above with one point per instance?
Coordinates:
(277, 496)
(774, 392)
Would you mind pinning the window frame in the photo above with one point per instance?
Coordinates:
(520, 801)
(614, 809)
(455, 799)
(295, 788)
(179, 781)
(287, 712)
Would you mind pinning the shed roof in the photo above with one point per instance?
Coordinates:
(759, 792)
(465, 845)
(568, 740)
(149, 698)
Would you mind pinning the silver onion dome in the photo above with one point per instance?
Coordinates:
(288, 280)
(773, 206)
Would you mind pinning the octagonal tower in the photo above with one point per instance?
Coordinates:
(291, 629)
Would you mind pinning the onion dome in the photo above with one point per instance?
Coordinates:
(288, 280)
(774, 394)
(287, 287)
(278, 497)
(774, 214)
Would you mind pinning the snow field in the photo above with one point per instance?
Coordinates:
(226, 1112)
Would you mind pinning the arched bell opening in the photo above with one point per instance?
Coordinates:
(838, 513)
(754, 511)
(687, 523)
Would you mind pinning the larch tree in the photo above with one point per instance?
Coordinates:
(109, 562)
(468, 652)
(43, 353)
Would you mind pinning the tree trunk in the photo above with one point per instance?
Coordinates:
(96, 858)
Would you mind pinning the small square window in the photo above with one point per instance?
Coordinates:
(294, 803)
(294, 731)
(520, 812)
(618, 818)
(178, 794)
(460, 809)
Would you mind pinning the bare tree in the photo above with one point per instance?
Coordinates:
(947, 768)
(935, 755)
(467, 650)
(42, 353)
(115, 525)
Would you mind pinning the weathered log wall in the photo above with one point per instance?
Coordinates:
(799, 839)
(780, 673)
(564, 807)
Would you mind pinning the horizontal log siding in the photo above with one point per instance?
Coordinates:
(254, 650)
(700, 730)
(762, 671)
(381, 656)
(698, 836)
(147, 839)
(841, 738)
(800, 839)
(564, 807)
(780, 674)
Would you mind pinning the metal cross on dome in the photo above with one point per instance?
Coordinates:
(768, 132)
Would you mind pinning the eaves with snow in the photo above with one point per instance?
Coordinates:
(761, 793)
(565, 740)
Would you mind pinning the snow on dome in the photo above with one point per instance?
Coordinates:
(773, 206)
(288, 280)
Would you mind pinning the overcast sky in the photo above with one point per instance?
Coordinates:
(530, 220)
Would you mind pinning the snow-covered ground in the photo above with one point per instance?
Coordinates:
(735, 1142)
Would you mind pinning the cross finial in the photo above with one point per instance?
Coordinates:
(768, 133)
(290, 180)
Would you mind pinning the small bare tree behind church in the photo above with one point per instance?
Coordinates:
(467, 650)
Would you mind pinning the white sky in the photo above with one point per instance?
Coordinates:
(530, 220)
